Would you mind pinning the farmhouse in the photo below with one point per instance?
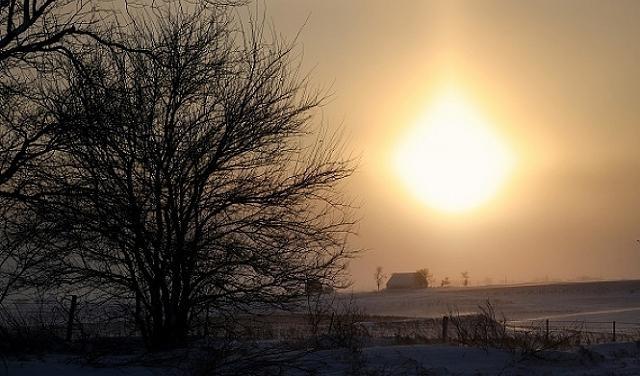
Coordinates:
(406, 281)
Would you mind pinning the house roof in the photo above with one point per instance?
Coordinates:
(404, 280)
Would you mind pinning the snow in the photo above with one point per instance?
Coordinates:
(61, 365)
(610, 359)
(592, 301)
(447, 360)
(607, 359)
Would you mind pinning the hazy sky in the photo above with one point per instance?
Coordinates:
(557, 81)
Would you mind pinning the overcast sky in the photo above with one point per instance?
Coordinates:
(558, 80)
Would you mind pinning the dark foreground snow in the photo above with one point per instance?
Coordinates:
(607, 359)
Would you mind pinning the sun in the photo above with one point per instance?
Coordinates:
(451, 159)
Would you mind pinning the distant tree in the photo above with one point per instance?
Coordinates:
(379, 276)
(445, 282)
(465, 278)
(189, 179)
(426, 278)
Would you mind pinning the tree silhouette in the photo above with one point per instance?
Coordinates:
(465, 278)
(30, 26)
(426, 278)
(379, 276)
(32, 34)
(29, 30)
(188, 176)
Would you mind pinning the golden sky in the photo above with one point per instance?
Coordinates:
(557, 82)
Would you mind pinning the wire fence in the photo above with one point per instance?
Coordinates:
(71, 318)
(68, 317)
(588, 331)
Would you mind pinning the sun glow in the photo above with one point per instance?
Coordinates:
(451, 159)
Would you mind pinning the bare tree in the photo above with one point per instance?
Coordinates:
(27, 140)
(379, 276)
(426, 277)
(32, 33)
(25, 127)
(18, 256)
(465, 278)
(29, 26)
(190, 177)
(33, 27)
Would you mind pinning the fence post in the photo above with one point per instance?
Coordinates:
(445, 324)
(614, 331)
(206, 322)
(547, 328)
(138, 313)
(72, 312)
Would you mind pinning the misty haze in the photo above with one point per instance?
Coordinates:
(299, 187)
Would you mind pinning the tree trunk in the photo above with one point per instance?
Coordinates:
(171, 331)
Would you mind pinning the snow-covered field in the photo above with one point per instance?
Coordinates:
(609, 359)
(63, 365)
(590, 301)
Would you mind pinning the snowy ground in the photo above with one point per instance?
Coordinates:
(591, 301)
(63, 365)
(610, 359)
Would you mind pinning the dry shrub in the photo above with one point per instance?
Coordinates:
(224, 357)
(335, 323)
(345, 329)
(484, 330)
(34, 332)
(479, 330)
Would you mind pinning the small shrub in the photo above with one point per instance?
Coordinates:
(345, 328)
(484, 330)
(33, 332)
(221, 358)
